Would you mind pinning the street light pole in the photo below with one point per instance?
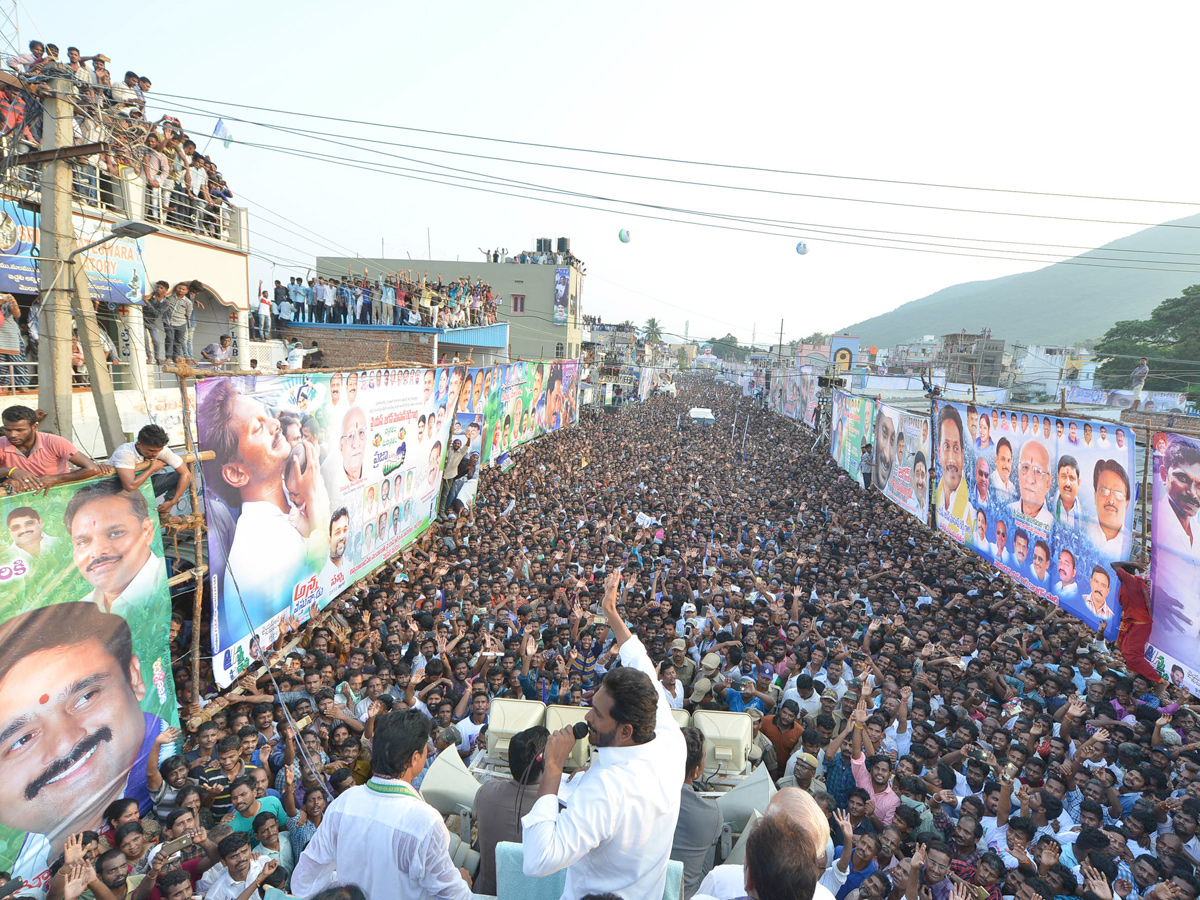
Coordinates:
(100, 378)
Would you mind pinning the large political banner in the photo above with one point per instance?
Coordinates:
(85, 663)
(1161, 401)
(902, 458)
(784, 397)
(1175, 560)
(808, 396)
(116, 272)
(1046, 499)
(853, 422)
(503, 407)
(317, 480)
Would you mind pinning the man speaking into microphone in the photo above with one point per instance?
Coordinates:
(613, 831)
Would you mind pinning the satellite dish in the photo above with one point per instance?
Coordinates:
(801, 248)
(623, 234)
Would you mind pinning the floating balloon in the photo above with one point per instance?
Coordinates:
(623, 234)
(802, 248)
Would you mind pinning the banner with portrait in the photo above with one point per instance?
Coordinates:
(85, 663)
(1046, 498)
(1175, 560)
(562, 293)
(1152, 401)
(901, 446)
(853, 422)
(808, 396)
(115, 270)
(784, 397)
(317, 480)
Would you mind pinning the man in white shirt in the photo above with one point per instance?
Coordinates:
(111, 540)
(393, 842)
(1112, 495)
(809, 832)
(1033, 477)
(628, 798)
(167, 473)
(238, 870)
(29, 539)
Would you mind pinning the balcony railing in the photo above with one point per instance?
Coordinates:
(128, 197)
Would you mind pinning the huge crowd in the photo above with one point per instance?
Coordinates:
(961, 738)
(183, 187)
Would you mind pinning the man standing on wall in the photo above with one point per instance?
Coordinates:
(1138, 378)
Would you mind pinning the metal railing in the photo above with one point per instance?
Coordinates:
(22, 377)
(128, 197)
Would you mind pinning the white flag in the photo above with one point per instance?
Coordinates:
(221, 130)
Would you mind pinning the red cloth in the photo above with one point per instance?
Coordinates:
(1136, 624)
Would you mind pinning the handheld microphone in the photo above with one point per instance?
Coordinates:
(580, 729)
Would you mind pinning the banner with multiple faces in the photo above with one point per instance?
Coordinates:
(1047, 499)
(502, 407)
(85, 663)
(794, 394)
(320, 478)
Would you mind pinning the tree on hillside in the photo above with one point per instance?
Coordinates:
(817, 337)
(728, 348)
(653, 331)
(1170, 339)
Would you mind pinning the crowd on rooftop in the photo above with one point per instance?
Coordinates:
(534, 257)
(962, 739)
(394, 298)
(183, 187)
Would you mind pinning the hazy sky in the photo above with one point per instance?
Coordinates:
(1077, 98)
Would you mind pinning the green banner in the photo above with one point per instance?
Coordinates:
(85, 666)
(853, 422)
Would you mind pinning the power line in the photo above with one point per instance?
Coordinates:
(688, 162)
(491, 179)
(981, 253)
(840, 229)
(817, 227)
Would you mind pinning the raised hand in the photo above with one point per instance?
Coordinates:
(167, 736)
(79, 876)
(73, 850)
(842, 818)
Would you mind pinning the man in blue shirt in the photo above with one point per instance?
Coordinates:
(747, 697)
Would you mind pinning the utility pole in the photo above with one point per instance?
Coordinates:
(65, 289)
(57, 242)
(779, 354)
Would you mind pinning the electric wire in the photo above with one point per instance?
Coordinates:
(822, 229)
(379, 168)
(676, 161)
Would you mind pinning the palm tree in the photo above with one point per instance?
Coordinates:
(653, 331)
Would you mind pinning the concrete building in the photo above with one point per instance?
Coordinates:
(1042, 371)
(971, 358)
(914, 356)
(540, 303)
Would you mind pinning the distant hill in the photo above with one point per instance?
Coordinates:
(1059, 304)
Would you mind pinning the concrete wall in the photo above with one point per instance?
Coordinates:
(365, 346)
(532, 335)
